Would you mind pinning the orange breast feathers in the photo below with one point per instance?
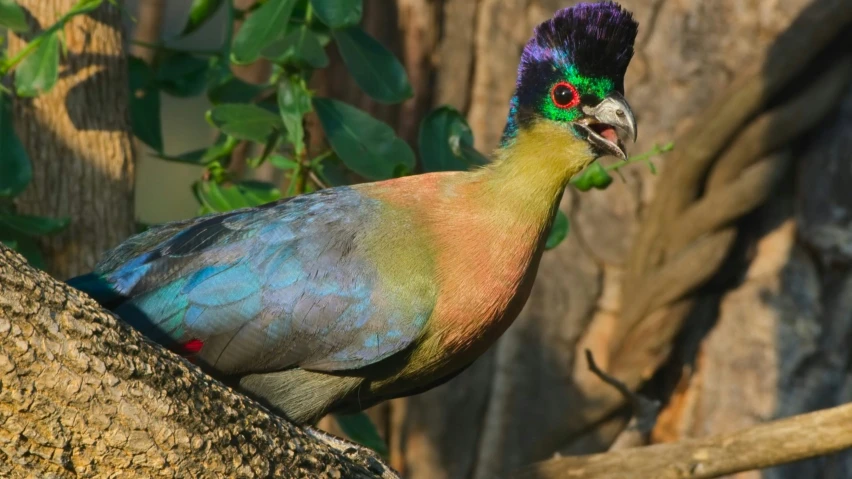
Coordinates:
(485, 256)
(485, 272)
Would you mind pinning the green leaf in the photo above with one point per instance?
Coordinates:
(332, 171)
(183, 75)
(446, 142)
(145, 104)
(245, 121)
(140, 73)
(652, 167)
(300, 47)
(33, 225)
(559, 230)
(262, 27)
(594, 176)
(403, 154)
(218, 199)
(282, 162)
(10, 243)
(193, 157)
(361, 429)
(221, 198)
(12, 16)
(39, 71)
(472, 156)
(221, 149)
(322, 33)
(83, 6)
(258, 192)
(233, 196)
(294, 102)
(230, 89)
(366, 145)
(15, 168)
(271, 145)
(375, 69)
(401, 170)
(199, 12)
(338, 13)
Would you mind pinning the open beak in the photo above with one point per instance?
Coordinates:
(608, 125)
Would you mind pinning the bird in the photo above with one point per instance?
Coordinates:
(337, 300)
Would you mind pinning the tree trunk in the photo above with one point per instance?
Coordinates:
(149, 23)
(85, 395)
(78, 138)
(778, 343)
(765, 339)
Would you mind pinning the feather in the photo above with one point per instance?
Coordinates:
(261, 289)
(596, 38)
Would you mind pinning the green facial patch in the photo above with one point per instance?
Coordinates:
(599, 87)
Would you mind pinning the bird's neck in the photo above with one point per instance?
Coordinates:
(529, 173)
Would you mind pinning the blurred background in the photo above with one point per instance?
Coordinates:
(163, 189)
(716, 282)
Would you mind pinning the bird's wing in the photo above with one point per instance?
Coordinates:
(282, 285)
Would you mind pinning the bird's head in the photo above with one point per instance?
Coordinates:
(570, 87)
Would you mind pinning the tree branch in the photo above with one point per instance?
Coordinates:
(769, 444)
(83, 394)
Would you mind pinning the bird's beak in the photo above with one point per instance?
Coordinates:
(608, 124)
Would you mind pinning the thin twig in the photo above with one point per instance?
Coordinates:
(316, 180)
(645, 410)
(642, 157)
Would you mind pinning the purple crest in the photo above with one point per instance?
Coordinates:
(596, 38)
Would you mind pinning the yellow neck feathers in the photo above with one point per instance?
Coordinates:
(537, 166)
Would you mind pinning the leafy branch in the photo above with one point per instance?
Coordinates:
(597, 176)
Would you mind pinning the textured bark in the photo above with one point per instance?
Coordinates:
(779, 343)
(530, 397)
(84, 395)
(78, 138)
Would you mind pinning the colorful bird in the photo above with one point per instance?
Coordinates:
(336, 300)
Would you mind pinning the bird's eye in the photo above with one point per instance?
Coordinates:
(564, 95)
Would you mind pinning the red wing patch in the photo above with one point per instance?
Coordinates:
(191, 347)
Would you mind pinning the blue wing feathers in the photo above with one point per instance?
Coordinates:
(266, 288)
(222, 284)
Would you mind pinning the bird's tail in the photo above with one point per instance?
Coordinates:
(98, 288)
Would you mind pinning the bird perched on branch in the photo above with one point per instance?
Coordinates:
(336, 300)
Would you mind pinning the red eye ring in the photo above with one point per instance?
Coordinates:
(575, 97)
